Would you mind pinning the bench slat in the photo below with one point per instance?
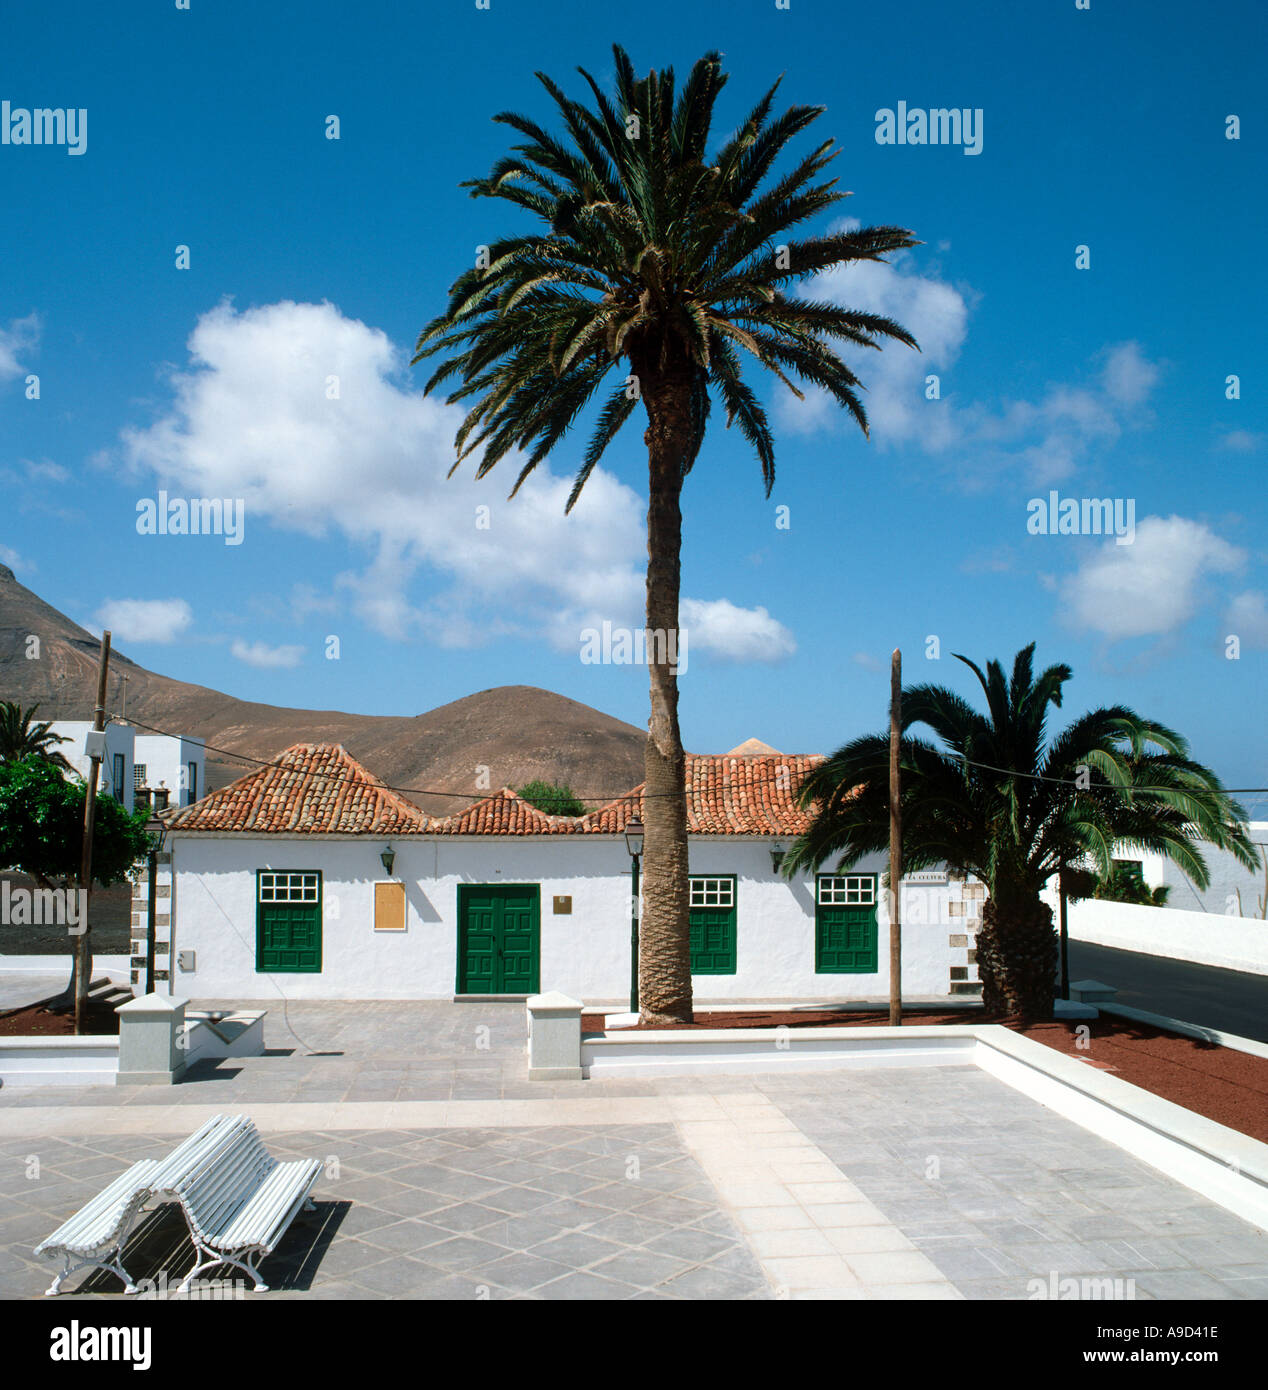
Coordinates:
(264, 1218)
(97, 1224)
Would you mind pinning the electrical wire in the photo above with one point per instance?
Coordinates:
(608, 797)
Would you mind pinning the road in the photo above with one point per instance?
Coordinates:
(1229, 1000)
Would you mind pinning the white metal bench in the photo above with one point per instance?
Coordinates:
(240, 1201)
(99, 1230)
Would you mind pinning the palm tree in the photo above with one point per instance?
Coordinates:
(664, 264)
(20, 738)
(999, 800)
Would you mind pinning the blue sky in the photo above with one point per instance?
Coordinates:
(312, 257)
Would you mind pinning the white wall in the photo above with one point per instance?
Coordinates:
(167, 758)
(586, 954)
(1229, 880)
(120, 738)
(1207, 938)
(1235, 891)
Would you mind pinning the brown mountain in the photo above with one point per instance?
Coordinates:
(516, 732)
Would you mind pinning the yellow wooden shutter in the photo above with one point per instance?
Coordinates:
(389, 907)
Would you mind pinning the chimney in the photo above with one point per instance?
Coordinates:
(161, 794)
(141, 799)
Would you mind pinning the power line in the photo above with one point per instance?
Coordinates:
(606, 798)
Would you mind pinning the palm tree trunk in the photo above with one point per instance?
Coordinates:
(1017, 956)
(664, 939)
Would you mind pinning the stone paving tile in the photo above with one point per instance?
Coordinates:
(1021, 1192)
(367, 1239)
(1018, 1187)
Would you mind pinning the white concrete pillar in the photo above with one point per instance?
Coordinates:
(554, 1037)
(151, 1031)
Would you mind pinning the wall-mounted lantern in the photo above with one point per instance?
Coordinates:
(777, 852)
(388, 857)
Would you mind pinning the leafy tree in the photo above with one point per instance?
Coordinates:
(997, 798)
(42, 827)
(665, 264)
(554, 800)
(19, 737)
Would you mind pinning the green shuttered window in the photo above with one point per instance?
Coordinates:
(845, 924)
(713, 929)
(288, 922)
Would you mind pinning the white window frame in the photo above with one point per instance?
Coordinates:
(710, 890)
(289, 886)
(846, 890)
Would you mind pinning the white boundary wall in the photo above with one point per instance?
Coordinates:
(1206, 938)
(585, 954)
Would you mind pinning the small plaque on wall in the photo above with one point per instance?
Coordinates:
(563, 907)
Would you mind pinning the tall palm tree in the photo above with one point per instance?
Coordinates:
(998, 799)
(664, 264)
(20, 738)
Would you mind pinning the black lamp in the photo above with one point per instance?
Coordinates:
(634, 837)
(388, 857)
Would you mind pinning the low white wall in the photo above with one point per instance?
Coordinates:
(585, 954)
(1206, 938)
(744, 1051)
(58, 1061)
(117, 967)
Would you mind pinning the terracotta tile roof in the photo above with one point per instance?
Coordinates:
(320, 789)
(315, 787)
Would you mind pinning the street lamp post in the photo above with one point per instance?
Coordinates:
(156, 828)
(634, 843)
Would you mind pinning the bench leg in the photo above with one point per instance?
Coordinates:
(247, 1266)
(114, 1266)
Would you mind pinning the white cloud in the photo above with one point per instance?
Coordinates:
(267, 658)
(867, 661)
(45, 471)
(10, 557)
(1247, 618)
(145, 619)
(252, 419)
(1241, 441)
(1047, 439)
(15, 341)
(1151, 587)
(721, 628)
(932, 311)
(1127, 376)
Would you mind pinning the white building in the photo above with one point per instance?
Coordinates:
(176, 763)
(135, 760)
(1234, 891)
(116, 778)
(279, 886)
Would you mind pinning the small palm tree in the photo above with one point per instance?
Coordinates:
(999, 800)
(21, 738)
(664, 263)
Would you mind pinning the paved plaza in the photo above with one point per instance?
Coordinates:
(449, 1176)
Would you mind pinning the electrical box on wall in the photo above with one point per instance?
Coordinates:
(187, 961)
(563, 907)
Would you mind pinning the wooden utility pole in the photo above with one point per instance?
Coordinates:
(83, 952)
(895, 843)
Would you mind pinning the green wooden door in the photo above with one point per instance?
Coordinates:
(499, 938)
(845, 924)
(713, 933)
(288, 922)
